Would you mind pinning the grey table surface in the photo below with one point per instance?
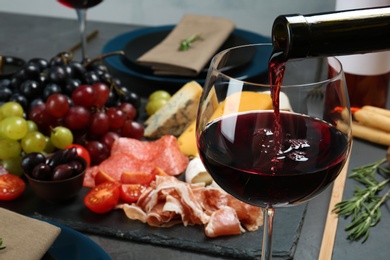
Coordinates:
(34, 36)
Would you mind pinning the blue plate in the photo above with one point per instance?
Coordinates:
(121, 64)
(71, 244)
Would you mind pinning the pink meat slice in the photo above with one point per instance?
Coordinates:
(118, 163)
(164, 152)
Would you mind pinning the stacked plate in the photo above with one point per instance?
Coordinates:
(141, 78)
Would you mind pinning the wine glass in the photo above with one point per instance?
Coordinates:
(81, 7)
(273, 150)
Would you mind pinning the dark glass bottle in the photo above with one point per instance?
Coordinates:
(334, 33)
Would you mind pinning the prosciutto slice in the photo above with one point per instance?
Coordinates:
(223, 221)
(169, 201)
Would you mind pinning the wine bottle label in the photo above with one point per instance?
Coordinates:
(354, 4)
(364, 64)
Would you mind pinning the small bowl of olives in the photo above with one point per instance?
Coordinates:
(57, 177)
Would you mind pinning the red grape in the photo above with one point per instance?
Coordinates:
(97, 151)
(78, 117)
(42, 119)
(100, 123)
(84, 95)
(116, 117)
(132, 129)
(57, 105)
(109, 138)
(102, 92)
(129, 110)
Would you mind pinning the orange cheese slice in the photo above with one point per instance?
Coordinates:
(237, 102)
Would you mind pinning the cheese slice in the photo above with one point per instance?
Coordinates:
(196, 172)
(241, 102)
(177, 114)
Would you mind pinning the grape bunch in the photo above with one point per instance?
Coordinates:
(18, 136)
(39, 78)
(92, 124)
(83, 98)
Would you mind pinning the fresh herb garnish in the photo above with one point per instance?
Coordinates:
(364, 206)
(1, 244)
(186, 43)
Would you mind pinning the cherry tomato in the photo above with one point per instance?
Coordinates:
(102, 177)
(137, 178)
(82, 152)
(130, 193)
(103, 197)
(11, 186)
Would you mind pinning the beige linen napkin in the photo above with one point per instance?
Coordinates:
(166, 58)
(25, 238)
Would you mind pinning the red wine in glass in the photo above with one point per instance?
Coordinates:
(80, 4)
(312, 155)
(274, 158)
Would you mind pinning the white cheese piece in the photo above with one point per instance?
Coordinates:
(196, 172)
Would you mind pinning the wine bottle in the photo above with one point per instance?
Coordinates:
(367, 75)
(341, 32)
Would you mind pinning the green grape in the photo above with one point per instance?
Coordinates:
(11, 109)
(32, 126)
(154, 105)
(61, 137)
(9, 148)
(13, 165)
(13, 127)
(159, 94)
(33, 142)
(49, 148)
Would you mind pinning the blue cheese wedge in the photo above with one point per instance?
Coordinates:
(176, 115)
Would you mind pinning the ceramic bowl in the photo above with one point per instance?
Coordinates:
(58, 191)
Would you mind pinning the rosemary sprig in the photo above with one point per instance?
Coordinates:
(186, 43)
(364, 206)
(1, 244)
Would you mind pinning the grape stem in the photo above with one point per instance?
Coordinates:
(103, 56)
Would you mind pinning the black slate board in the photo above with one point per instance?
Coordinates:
(75, 215)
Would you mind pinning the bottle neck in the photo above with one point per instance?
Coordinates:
(334, 33)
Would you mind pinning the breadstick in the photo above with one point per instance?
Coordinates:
(377, 110)
(364, 132)
(373, 119)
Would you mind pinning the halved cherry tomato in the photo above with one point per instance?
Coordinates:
(102, 176)
(82, 152)
(137, 178)
(130, 193)
(11, 186)
(103, 197)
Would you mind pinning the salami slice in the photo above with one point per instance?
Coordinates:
(164, 152)
(118, 163)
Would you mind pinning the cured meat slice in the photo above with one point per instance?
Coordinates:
(164, 152)
(133, 212)
(169, 201)
(213, 199)
(89, 177)
(223, 222)
(118, 163)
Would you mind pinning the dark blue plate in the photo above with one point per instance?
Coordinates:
(126, 64)
(71, 244)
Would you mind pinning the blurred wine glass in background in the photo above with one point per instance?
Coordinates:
(81, 7)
